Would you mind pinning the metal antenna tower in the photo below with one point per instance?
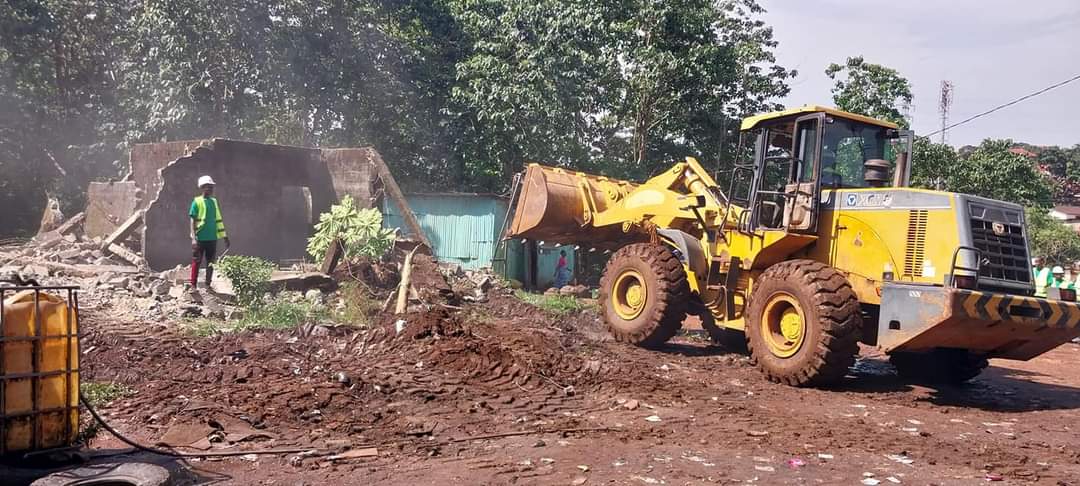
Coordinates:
(943, 107)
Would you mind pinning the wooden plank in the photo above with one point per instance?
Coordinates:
(126, 254)
(133, 223)
(398, 197)
(333, 256)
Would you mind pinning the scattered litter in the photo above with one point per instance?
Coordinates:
(578, 481)
(825, 457)
(583, 468)
(665, 367)
(914, 422)
(757, 433)
(901, 458)
(646, 480)
(547, 460)
(994, 477)
(765, 468)
(619, 463)
(892, 480)
(399, 326)
(796, 462)
(631, 404)
(909, 429)
(859, 406)
(652, 418)
(870, 482)
(250, 457)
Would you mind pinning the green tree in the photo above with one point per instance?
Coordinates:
(1050, 239)
(988, 170)
(870, 89)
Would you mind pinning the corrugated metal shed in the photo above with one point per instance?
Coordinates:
(464, 228)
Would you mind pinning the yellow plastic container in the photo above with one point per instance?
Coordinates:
(39, 369)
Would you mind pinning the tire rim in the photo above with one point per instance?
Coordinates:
(783, 325)
(629, 294)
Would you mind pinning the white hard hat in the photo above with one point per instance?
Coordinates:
(1058, 269)
(204, 180)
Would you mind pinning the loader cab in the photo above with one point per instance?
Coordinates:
(799, 154)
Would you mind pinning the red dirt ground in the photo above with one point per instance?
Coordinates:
(607, 413)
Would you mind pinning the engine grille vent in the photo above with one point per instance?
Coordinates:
(916, 243)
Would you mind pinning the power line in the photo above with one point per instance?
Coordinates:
(1006, 105)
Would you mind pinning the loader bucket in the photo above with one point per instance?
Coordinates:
(558, 206)
(917, 318)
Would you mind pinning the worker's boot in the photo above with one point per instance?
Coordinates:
(209, 275)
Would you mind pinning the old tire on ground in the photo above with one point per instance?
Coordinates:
(804, 324)
(941, 365)
(133, 473)
(644, 294)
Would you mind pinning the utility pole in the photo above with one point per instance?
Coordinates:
(943, 106)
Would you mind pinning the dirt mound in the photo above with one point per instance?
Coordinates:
(423, 367)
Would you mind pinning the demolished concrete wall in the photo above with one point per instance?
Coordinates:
(270, 195)
(147, 159)
(107, 205)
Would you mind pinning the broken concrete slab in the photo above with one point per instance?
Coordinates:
(126, 254)
(134, 222)
(70, 224)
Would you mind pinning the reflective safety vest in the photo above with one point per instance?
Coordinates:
(201, 216)
(1062, 284)
(1043, 279)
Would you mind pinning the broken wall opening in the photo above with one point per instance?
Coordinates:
(270, 195)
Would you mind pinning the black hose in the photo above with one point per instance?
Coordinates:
(163, 452)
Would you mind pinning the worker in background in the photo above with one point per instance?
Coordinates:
(207, 228)
(562, 271)
(1041, 275)
(1058, 280)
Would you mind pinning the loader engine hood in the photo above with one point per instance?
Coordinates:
(930, 234)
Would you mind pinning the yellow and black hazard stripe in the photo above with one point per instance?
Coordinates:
(1004, 307)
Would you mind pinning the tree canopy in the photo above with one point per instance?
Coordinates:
(870, 89)
(456, 94)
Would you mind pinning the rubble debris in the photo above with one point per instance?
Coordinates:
(124, 230)
(70, 224)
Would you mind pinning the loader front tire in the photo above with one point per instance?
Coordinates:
(644, 294)
(940, 366)
(804, 324)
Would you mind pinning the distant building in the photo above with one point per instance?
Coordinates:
(1067, 214)
(1023, 151)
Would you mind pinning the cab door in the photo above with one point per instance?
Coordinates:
(803, 191)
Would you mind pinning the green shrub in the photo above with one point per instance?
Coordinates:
(360, 230)
(103, 393)
(556, 304)
(250, 277)
(360, 307)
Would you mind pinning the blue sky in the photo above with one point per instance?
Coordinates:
(992, 50)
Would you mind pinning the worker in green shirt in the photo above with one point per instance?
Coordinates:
(207, 228)
(1058, 280)
(1041, 275)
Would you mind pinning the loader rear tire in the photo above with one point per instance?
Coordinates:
(804, 324)
(644, 294)
(942, 365)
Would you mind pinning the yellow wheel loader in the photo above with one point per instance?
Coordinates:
(817, 244)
